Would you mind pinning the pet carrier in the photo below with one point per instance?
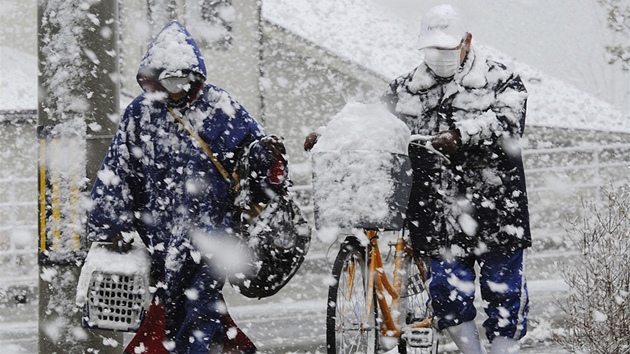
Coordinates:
(113, 287)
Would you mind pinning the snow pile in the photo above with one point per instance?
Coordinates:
(364, 126)
(361, 171)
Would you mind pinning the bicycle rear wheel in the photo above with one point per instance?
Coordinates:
(416, 307)
(350, 326)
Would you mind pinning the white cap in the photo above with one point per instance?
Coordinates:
(441, 27)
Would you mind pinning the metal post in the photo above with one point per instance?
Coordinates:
(78, 96)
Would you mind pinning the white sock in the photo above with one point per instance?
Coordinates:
(466, 337)
(504, 345)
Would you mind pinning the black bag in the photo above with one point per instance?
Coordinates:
(275, 231)
(280, 238)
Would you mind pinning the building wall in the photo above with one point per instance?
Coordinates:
(237, 68)
(18, 19)
(135, 36)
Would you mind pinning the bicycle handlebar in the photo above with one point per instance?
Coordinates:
(420, 137)
(416, 139)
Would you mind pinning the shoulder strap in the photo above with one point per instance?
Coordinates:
(230, 179)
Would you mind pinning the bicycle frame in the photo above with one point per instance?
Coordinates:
(379, 281)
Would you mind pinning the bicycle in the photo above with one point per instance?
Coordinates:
(369, 313)
(361, 292)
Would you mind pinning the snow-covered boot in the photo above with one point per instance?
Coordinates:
(504, 345)
(466, 337)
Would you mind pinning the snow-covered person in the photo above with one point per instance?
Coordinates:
(157, 180)
(473, 210)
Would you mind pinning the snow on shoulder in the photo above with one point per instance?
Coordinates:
(361, 171)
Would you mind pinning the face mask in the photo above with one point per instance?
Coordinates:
(175, 84)
(443, 62)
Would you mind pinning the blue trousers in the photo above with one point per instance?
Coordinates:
(195, 317)
(503, 289)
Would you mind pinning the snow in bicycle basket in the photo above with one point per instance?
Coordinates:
(113, 288)
(361, 169)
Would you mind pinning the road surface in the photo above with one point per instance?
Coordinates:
(293, 321)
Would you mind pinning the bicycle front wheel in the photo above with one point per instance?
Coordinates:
(350, 325)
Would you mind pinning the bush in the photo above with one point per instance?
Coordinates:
(598, 305)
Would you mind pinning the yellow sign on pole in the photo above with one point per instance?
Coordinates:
(62, 180)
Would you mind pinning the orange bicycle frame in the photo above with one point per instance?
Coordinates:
(378, 279)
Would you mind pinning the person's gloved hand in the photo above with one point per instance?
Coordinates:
(447, 141)
(122, 244)
(276, 149)
(310, 141)
(274, 145)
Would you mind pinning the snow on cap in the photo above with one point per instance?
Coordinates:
(441, 28)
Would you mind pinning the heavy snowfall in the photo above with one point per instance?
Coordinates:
(577, 151)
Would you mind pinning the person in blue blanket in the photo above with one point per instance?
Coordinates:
(473, 210)
(157, 181)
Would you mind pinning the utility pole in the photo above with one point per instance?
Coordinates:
(78, 100)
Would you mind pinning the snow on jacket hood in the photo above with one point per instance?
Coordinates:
(172, 50)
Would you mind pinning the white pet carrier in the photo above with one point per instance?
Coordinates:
(113, 288)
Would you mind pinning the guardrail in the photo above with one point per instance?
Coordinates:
(18, 230)
(557, 178)
(574, 168)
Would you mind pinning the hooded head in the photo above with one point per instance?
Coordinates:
(173, 64)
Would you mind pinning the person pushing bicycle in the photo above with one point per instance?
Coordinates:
(471, 207)
(473, 210)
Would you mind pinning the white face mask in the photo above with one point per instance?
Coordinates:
(175, 84)
(443, 62)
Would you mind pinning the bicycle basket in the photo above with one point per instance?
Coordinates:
(363, 189)
(113, 287)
